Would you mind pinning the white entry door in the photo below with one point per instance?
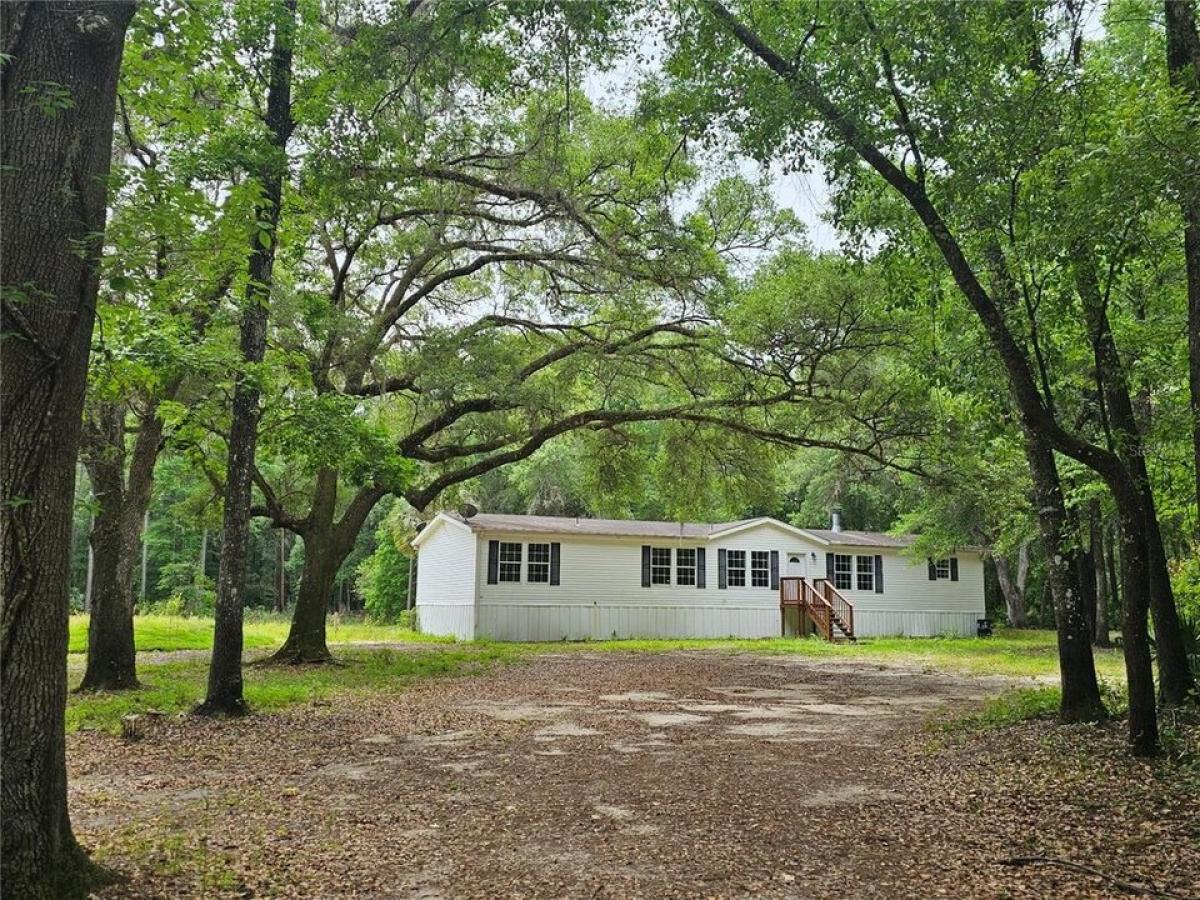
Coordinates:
(797, 565)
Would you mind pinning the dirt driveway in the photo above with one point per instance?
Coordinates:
(684, 774)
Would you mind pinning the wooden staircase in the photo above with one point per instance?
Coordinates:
(819, 602)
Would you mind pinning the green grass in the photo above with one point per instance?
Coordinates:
(175, 686)
(1020, 653)
(181, 633)
(178, 686)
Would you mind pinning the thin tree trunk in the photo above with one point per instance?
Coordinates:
(1014, 597)
(1096, 539)
(1114, 580)
(224, 695)
(408, 596)
(91, 568)
(203, 563)
(1174, 673)
(145, 553)
(52, 217)
(281, 571)
(1183, 67)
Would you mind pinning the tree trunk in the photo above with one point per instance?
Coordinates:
(1096, 540)
(1174, 673)
(224, 695)
(1080, 690)
(306, 638)
(124, 502)
(1014, 595)
(281, 571)
(327, 543)
(55, 160)
(1183, 67)
(1139, 672)
(203, 563)
(1113, 567)
(91, 569)
(111, 659)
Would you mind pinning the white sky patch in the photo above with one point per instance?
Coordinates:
(804, 193)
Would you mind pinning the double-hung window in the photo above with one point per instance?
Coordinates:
(760, 568)
(843, 571)
(660, 565)
(510, 561)
(735, 568)
(942, 567)
(539, 564)
(685, 566)
(865, 573)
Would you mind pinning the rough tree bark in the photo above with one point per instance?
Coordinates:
(116, 537)
(328, 540)
(1013, 588)
(1175, 681)
(1037, 422)
(1096, 540)
(1081, 701)
(1183, 67)
(224, 694)
(58, 83)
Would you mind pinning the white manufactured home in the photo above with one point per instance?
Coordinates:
(547, 578)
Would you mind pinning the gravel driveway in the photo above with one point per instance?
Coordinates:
(683, 774)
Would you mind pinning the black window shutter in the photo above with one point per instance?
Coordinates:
(493, 562)
(722, 578)
(878, 574)
(555, 552)
(700, 580)
(829, 566)
(954, 568)
(774, 570)
(932, 570)
(645, 565)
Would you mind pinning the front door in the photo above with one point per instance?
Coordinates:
(797, 565)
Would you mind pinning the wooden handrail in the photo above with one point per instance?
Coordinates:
(820, 601)
(842, 607)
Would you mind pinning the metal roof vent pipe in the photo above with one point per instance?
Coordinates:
(835, 516)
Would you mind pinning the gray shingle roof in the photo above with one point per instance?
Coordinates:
(862, 538)
(489, 522)
(611, 527)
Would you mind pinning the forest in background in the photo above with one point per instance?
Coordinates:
(490, 285)
(354, 262)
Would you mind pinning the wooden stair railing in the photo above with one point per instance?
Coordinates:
(820, 602)
(841, 609)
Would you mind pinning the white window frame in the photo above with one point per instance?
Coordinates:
(685, 566)
(760, 568)
(843, 571)
(509, 562)
(941, 569)
(660, 570)
(864, 578)
(537, 571)
(735, 565)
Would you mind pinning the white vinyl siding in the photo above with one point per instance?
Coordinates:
(446, 573)
(601, 594)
